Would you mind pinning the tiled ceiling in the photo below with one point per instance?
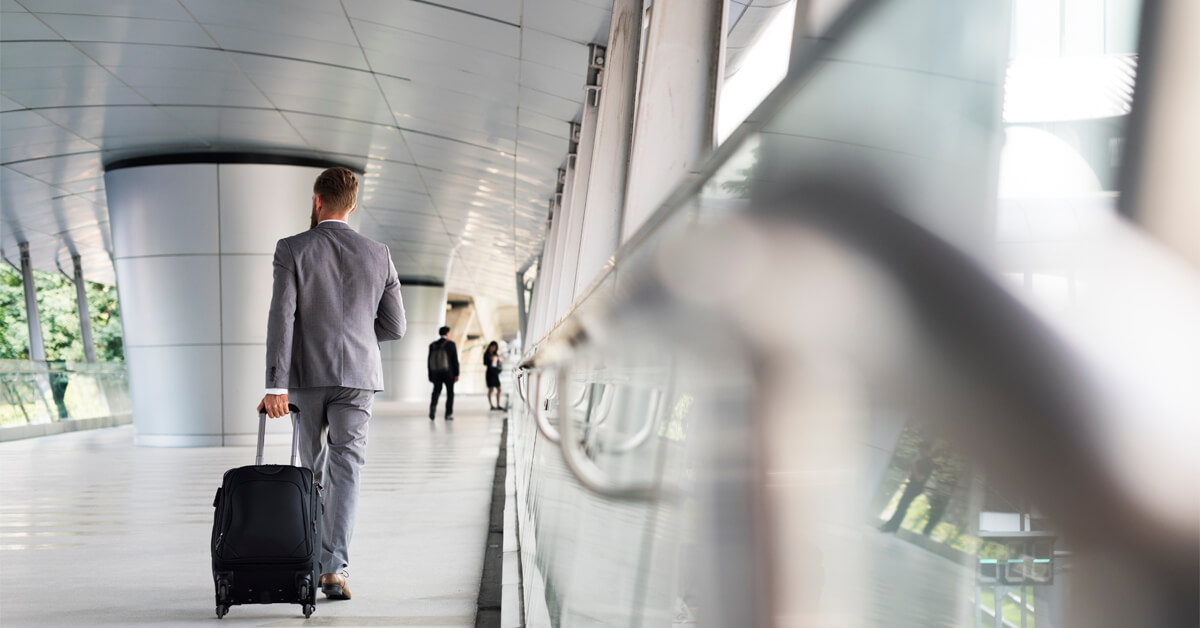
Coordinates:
(456, 110)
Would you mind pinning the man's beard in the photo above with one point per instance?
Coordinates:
(313, 222)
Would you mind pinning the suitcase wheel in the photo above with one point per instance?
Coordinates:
(308, 610)
(222, 597)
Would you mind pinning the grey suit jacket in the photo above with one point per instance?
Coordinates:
(336, 296)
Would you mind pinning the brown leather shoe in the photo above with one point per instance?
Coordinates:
(333, 585)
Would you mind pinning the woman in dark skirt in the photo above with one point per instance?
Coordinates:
(491, 360)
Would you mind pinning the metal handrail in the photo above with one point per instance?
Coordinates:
(586, 471)
(583, 396)
(542, 421)
(600, 412)
(804, 64)
(635, 441)
(519, 384)
(604, 407)
(550, 396)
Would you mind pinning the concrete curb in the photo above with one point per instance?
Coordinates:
(488, 613)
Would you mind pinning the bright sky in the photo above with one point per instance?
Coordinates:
(766, 64)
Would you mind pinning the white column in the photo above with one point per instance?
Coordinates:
(37, 349)
(676, 109)
(614, 133)
(193, 247)
(404, 361)
(81, 305)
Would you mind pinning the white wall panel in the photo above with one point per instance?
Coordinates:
(175, 395)
(242, 378)
(246, 282)
(123, 29)
(163, 210)
(170, 300)
(145, 9)
(262, 203)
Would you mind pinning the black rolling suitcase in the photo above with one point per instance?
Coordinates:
(266, 539)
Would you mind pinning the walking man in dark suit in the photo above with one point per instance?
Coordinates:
(443, 371)
(335, 298)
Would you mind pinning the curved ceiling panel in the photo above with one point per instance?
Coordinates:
(456, 111)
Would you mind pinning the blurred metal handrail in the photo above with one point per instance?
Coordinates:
(521, 383)
(586, 471)
(602, 409)
(539, 416)
(640, 437)
(583, 396)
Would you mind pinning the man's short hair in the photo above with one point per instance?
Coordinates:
(337, 188)
(443, 331)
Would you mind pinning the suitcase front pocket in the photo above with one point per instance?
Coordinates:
(267, 520)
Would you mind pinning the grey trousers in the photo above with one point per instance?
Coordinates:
(333, 443)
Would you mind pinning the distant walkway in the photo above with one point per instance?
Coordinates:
(94, 531)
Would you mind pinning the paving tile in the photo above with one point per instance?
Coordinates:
(95, 531)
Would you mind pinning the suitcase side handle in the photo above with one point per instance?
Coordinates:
(262, 434)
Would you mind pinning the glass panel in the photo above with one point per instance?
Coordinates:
(44, 392)
(910, 103)
(861, 426)
(730, 188)
(758, 48)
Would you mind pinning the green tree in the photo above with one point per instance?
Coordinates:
(59, 318)
(742, 187)
(14, 334)
(106, 322)
(60, 321)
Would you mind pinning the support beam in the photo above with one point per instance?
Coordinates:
(37, 348)
(524, 302)
(530, 334)
(544, 286)
(561, 253)
(605, 198)
(85, 319)
(521, 316)
(585, 153)
(676, 111)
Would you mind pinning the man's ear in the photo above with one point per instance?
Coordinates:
(352, 208)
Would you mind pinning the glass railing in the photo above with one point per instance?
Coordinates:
(45, 392)
(808, 394)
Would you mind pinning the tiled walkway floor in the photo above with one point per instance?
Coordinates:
(94, 531)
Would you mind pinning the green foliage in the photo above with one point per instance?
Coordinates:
(59, 318)
(105, 313)
(14, 335)
(740, 188)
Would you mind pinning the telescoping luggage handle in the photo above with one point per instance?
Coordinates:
(262, 434)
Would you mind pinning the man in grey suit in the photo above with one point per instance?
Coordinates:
(336, 296)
